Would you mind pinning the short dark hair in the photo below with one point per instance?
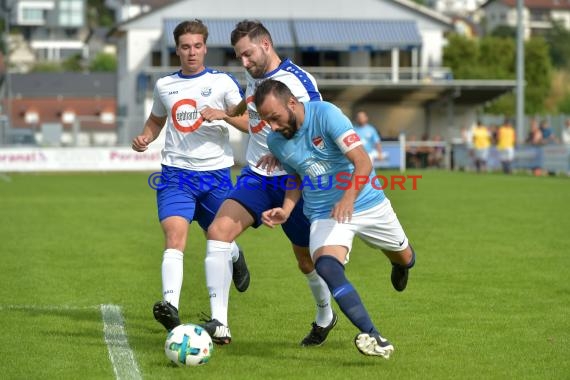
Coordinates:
(271, 86)
(195, 26)
(253, 29)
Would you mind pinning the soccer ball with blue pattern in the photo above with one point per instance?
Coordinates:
(188, 345)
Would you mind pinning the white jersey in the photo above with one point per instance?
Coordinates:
(302, 85)
(191, 142)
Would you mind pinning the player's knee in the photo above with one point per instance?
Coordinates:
(219, 230)
(305, 264)
(176, 241)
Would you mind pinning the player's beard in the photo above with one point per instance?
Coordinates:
(289, 131)
(258, 70)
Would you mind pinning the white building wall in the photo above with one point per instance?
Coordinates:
(432, 48)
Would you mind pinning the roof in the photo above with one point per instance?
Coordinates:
(317, 34)
(533, 4)
(350, 34)
(86, 85)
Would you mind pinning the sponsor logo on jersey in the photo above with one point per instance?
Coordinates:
(173, 93)
(253, 117)
(318, 142)
(206, 91)
(185, 116)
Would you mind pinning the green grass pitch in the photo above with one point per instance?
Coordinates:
(489, 296)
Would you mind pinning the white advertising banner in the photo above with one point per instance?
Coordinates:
(34, 159)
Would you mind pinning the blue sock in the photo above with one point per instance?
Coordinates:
(332, 272)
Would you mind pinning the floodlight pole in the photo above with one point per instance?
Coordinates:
(520, 73)
(7, 9)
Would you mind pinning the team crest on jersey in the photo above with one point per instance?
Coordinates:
(206, 91)
(319, 142)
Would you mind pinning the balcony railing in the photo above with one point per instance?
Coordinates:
(341, 75)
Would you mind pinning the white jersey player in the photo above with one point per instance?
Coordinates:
(196, 157)
(257, 190)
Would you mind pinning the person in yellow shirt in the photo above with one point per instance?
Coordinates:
(506, 139)
(481, 144)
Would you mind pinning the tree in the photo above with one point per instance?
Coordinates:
(72, 63)
(103, 62)
(495, 58)
(564, 105)
(504, 31)
(538, 75)
(98, 14)
(460, 55)
(557, 39)
(498, 56)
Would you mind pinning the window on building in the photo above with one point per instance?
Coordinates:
(33, 16)
(107, 117)
(381, 58)
(67, 117)
(32, 117)
(71, 13)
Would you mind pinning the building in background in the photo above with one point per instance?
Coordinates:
(455, 7)
(127, 9)
(538, 15)
(48, 30)
(380, 56)
(67, 109)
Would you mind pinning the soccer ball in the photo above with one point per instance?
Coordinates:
(188, 345)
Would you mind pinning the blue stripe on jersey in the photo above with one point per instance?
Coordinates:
(289, 66)
(211, 71)
(205, 71)
(241, 91)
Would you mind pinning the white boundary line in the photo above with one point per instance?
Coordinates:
(46, 307)
(122, 358)
(120, 353)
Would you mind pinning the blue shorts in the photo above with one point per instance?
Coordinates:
(257, 193)
(192, 194)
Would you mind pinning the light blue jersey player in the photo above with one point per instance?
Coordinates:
(316, 141)
(316, 153)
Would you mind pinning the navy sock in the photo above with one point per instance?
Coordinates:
(332, 272)
(413, 261)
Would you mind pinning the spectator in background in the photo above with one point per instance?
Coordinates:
(435, 157)
(369, 136)
(506, 139)
(467, 138)
(548, 136)
(412, 159)
(566, 133)
(535, 134)
(481, 144)
(494, 132)
(534, 138)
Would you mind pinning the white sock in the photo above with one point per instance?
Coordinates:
(235, 251)
(172, 272)
(218, 265)
(322, 297)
